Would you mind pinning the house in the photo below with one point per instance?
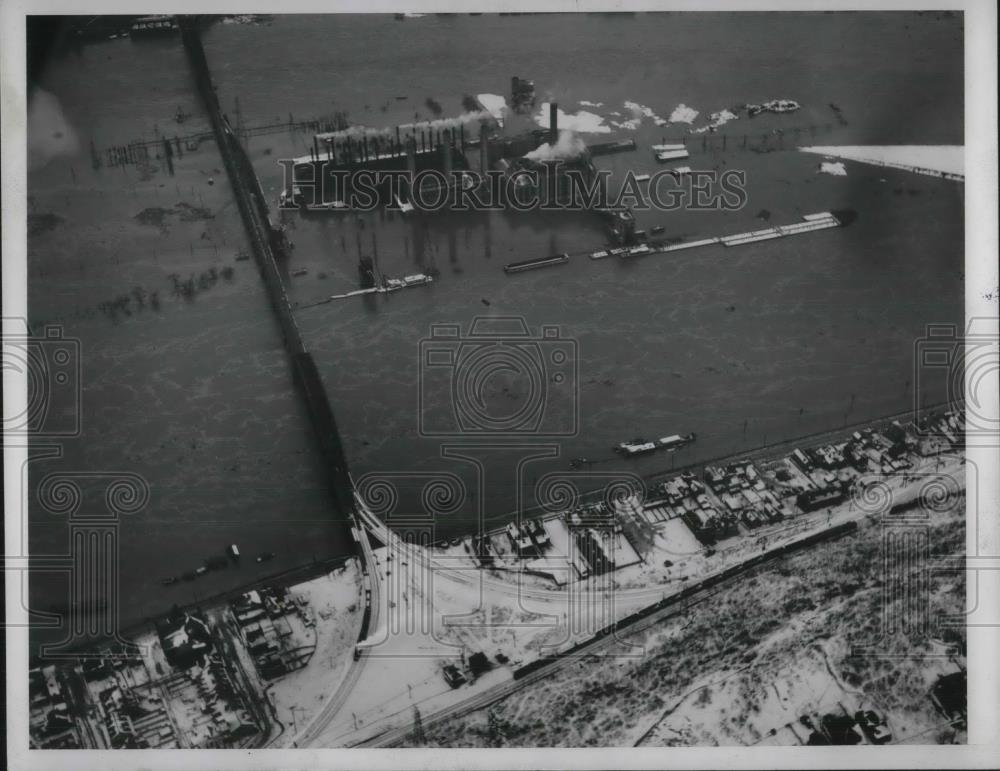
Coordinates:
(479, 664)
(452, 676)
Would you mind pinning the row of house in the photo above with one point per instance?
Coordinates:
(50, 723)
(257, 612)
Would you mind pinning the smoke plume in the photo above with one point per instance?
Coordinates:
(569, 146)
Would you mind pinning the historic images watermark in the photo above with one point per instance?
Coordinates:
(550, 185)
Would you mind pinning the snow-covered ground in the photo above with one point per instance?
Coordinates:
(335, 602)
(437, 611)
(947, 159)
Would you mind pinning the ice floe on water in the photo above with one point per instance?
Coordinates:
(683, 114)
(629, 125)
(715, 120)
(945, 159)
(495, 104)
(642, 111)
(582, 122)
(585, 103)
(836, 168)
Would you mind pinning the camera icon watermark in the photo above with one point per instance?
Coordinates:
(50, 362)
(499, 379)
(967, 367)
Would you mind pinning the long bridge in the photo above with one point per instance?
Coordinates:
(268, 245)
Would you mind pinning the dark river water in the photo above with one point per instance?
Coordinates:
(744, 346)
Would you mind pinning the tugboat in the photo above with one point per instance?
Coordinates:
(169, 581)
(234, 552)
(265, 556)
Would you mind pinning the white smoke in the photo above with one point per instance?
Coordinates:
(49, 133)
(569, 146)
(441, 124)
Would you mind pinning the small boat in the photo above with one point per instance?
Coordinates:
(169, 581)
(201, 571)
(265, 556)
(234, 551)
(657, 229)
(300, 272)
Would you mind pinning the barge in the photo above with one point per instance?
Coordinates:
(538, 262)
(641, 447)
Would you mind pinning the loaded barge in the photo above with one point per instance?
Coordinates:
(538, 262)
(642, 447)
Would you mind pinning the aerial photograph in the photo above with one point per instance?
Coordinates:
(496, 380)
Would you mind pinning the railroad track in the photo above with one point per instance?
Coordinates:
(670, 607)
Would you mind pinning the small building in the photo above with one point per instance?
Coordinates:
(452, 676)
(811, 500)
(950, 695)
(801, 460)
(592, 548)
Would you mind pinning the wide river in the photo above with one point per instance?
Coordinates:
(744, 346)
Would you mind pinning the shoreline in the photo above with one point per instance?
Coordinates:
(308, 571)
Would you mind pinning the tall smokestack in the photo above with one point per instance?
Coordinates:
(364, 148)
(484, 163)
(399, 145)
(446, 153)
(411, 166)
(553, 124)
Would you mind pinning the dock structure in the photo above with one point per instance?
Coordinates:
(810, 223)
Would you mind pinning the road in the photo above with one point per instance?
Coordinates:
(356, 667)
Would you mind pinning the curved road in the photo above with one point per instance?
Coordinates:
(356, 668)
